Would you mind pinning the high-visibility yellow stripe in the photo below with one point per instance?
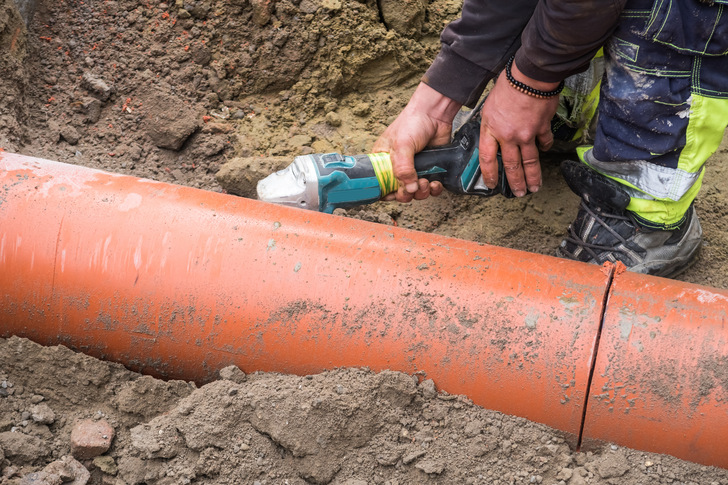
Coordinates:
(705, 130)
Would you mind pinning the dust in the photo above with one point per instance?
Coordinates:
(183, 91)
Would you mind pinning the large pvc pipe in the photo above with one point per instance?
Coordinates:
(179, 282)
(661, 375)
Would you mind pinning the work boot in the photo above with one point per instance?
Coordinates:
(605, 231)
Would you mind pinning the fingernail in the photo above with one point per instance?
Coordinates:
(519, 193)
(533, 189)
(412, 187)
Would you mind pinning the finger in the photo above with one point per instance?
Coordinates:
(546, 140)
(423, 191)
(403, 196)
(436, 188)
(511, 155)
(531, 167)
(403, 166)
(488, 158)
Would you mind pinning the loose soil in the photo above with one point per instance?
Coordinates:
(215, 95)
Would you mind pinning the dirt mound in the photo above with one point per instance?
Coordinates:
(13, 80)
(347, 426)
(159, 90)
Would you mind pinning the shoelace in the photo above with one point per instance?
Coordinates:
(590, 247)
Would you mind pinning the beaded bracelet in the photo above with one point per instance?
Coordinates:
(525, 88)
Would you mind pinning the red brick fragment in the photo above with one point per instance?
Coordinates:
(90, 439)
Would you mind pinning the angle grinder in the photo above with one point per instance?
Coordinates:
(327, 181)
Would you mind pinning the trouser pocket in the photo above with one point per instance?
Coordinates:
(690, 26)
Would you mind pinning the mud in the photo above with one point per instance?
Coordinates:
(176, 91)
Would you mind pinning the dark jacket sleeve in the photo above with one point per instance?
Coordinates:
(563, 36)
(476, 47)
(559, 39)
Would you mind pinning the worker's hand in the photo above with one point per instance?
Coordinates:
(516, 122)
(425, 121)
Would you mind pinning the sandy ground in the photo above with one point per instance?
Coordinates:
(174, 92)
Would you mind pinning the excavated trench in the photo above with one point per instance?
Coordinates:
(173, 92)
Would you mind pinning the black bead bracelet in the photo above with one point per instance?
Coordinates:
(525, 88)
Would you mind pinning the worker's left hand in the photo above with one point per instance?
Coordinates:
(516, 122)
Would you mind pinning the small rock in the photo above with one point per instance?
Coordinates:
(333, 119)
(262, 10)
(6, 424)
(21, 448)
(428, 389)
(70, 134)
(178, 174)
(361, 109)
(332, 5)
(389, 457)
(92, 107)
(612, 465)
(43, 414)
(200, 54)
(232, 373)
(106, 464)
(396, 387)
(412, 456)
(404, 16)
(167, 120)
(473, 428)
(70, 471)
(308, 6)
(565, 474)
(90, 439)
(577, 480)
(96, 85)
(36, 399)
(548, 450)
(431, 467)
(134, 152)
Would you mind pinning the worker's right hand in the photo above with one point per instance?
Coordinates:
(425, 121)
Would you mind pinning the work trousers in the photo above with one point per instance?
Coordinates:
(663, 106)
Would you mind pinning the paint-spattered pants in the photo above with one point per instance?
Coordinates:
(663, 107)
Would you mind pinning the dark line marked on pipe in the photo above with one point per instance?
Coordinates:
(592, 365)
(55, 256)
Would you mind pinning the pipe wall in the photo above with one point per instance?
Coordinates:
(660, 380)
(178, 283)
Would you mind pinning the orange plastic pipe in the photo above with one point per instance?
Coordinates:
(179, 283)
(661, 376)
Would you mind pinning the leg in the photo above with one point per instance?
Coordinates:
(662, 113)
